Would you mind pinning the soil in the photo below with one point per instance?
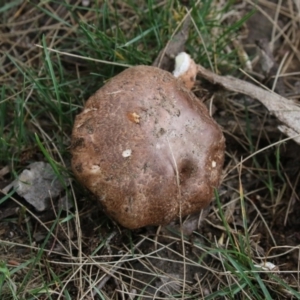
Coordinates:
(149, 261)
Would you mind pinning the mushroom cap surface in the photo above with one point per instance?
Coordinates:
(147, 148)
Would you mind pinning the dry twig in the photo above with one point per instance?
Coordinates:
(285, 110)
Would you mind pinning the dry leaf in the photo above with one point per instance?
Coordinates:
(37, 184)
(5, 170)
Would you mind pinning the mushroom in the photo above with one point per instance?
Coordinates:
(185, 70)
(147, 147)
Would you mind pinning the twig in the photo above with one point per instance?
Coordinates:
(285, 110)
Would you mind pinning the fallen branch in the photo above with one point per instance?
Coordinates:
(285, 110)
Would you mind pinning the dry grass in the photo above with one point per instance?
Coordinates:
(53, 56)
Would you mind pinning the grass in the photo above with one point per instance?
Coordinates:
(55, 55)
(45, 88)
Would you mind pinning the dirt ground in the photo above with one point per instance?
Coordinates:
(151, 261)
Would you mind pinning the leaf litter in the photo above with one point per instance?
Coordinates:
(153, 266)
(37, 184)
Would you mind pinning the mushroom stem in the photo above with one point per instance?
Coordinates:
(185, 69)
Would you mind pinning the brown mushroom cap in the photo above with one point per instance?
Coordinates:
(139, 136)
